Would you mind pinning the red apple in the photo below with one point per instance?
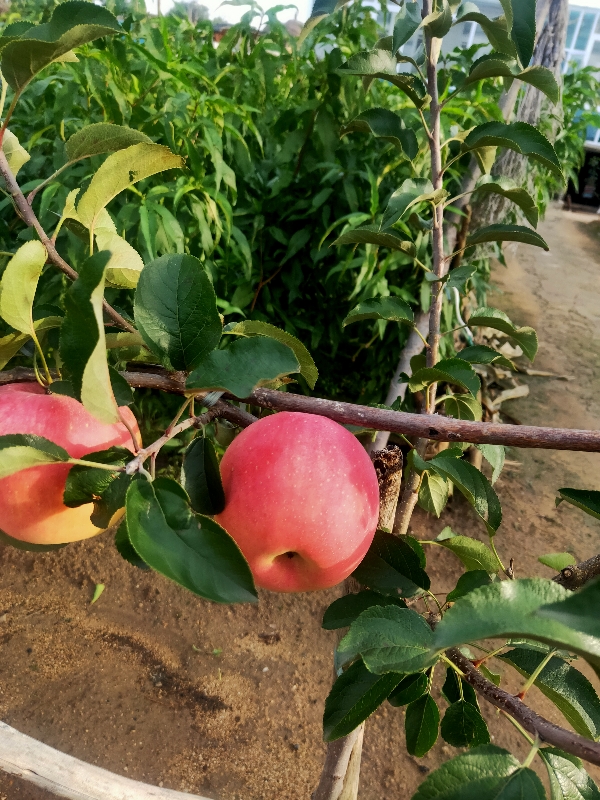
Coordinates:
(301, 501)
(31, 501)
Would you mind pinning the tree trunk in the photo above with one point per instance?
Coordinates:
(549, 52)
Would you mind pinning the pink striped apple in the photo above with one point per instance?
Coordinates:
(31, 501)
(301, 501)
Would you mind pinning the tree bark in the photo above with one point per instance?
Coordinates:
(413, 347)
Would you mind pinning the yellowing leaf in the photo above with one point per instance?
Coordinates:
(125, 264)
(19, 283)
(10, 346)
(15, 154)
(83, 344)
(119, 171)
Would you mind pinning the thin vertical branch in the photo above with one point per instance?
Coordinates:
(29, 218)
(410, 495)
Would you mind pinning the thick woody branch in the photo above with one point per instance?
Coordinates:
(577, 575)
(549, 733)
(29, 218)
(430, 426)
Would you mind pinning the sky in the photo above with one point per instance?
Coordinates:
(232, 13)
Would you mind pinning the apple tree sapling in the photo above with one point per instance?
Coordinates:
(297, 505)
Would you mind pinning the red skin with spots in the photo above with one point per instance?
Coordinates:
(31, 506)
(299, 483)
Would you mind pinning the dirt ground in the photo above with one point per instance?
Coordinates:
(226, 702)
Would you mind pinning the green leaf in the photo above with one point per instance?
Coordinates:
(458, 277)
(408, 195)
(390, 639)
(483, 772)
(525, 337)
(371, 234)
(23, 450)
(494, 454)
(121, 389)
(506, 233)
(176, 311)
(391, 564)
(201, 557)
(125, 548)
(409, 689)
(467, 582)
(481, 354)
(493, 677)
(518, 136)
(407, 21)
(463, 406)
(106, 490)
(125, 264)
(382, 64)
(456, 371)
(455, 689)
(495, 29)
(506, 187)
(343, 611)
(463, 726)
(433, 493)
(321, 9)
(579, 610)
(15, 154)
(102, 137)
(201, 478)
(251, 327)
(391, 308)
(355, 695)
(585, 499)
(120, 171)
(475, 555)
(493, 66)
(243, 365)
(523, 29)
(566, 687)
(567, 776)
(386, 125)
(19, 284)
(511, 609)
(71, 25)
(438, 23)
(557, 561)
(543, 79)
(82, 343)
(421, 725)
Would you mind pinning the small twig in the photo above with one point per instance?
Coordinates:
(29, 218)
(151, 451)
(533, 723)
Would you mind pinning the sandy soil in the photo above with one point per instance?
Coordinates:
(227, 702)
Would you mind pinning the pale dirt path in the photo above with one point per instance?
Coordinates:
(120, 683)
